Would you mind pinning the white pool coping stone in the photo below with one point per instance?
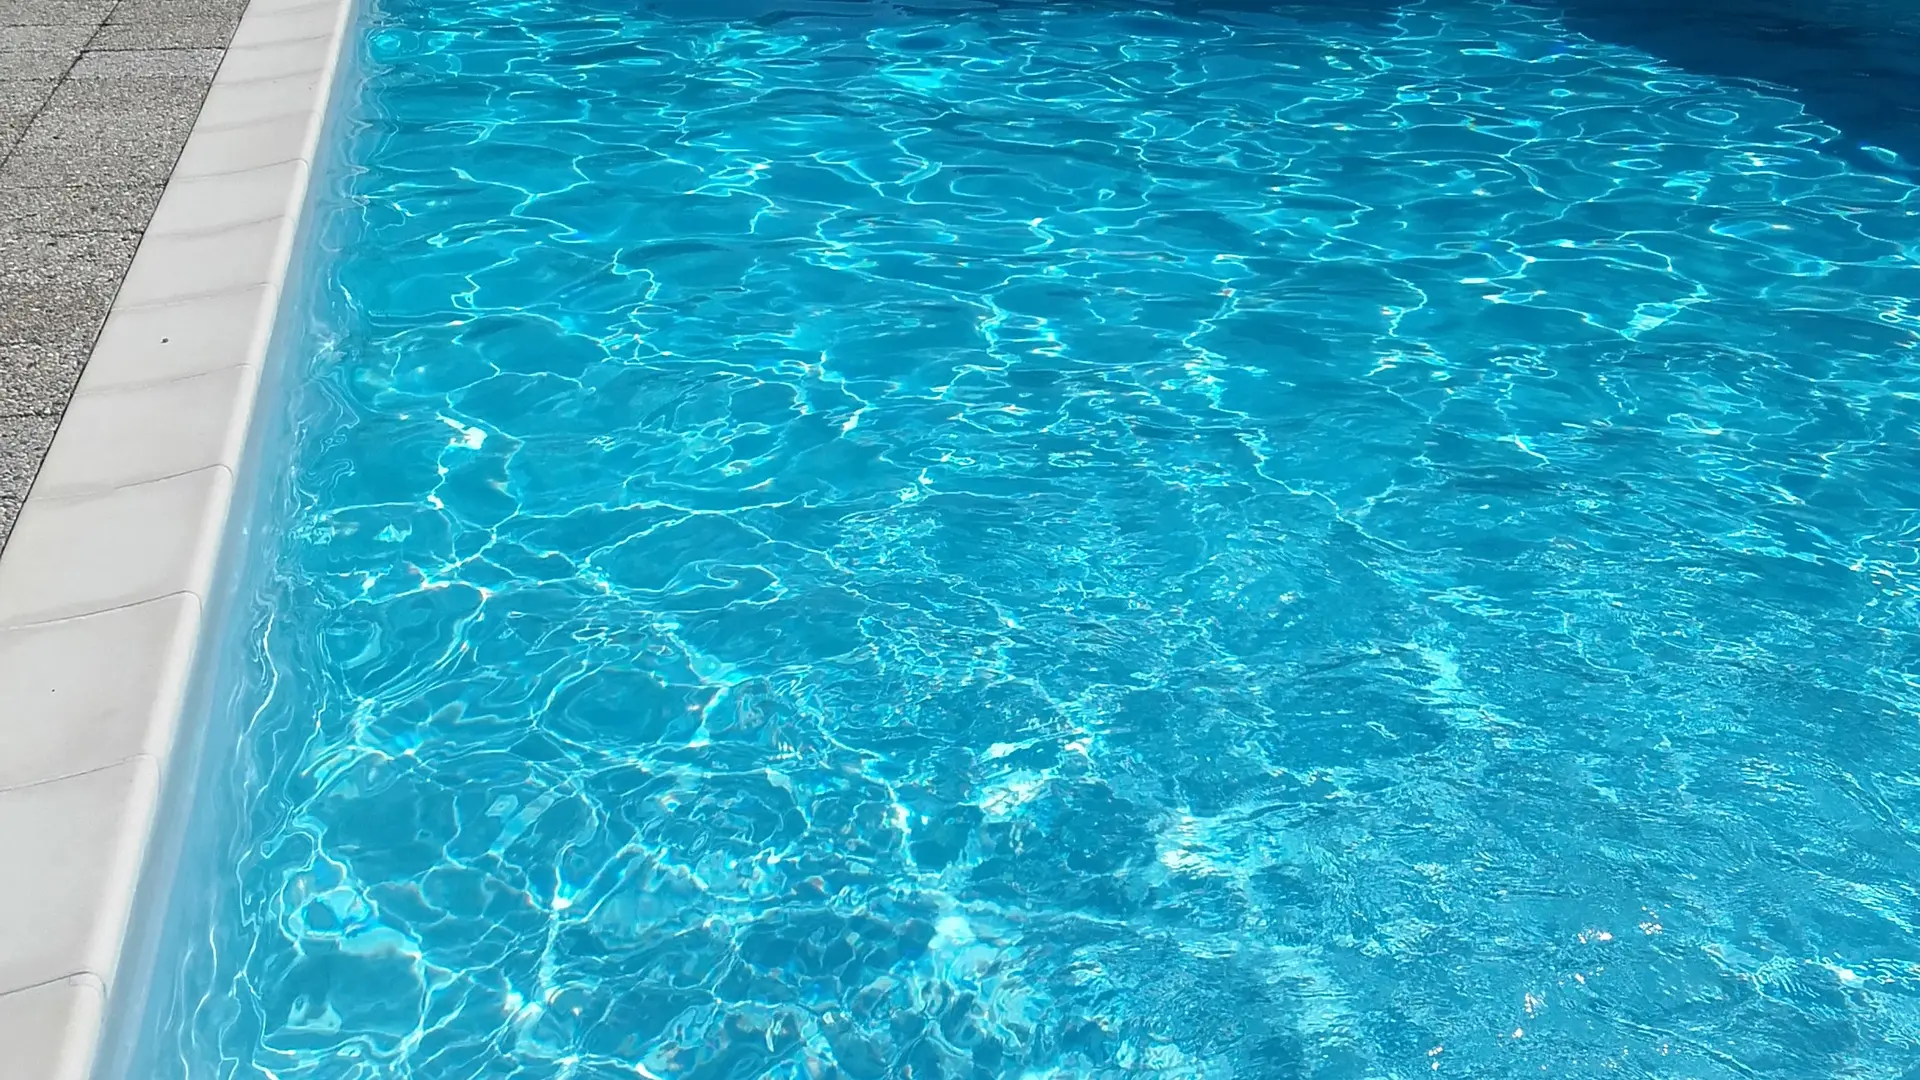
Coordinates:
(105, 580)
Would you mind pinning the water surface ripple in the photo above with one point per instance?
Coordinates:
(1076, 541)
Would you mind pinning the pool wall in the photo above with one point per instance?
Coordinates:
(119, 559)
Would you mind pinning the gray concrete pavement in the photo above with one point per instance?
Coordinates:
(96, 99)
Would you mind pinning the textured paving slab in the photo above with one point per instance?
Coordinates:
(96, 100)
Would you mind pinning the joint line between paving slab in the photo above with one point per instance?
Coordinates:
(91, 978)
(29, 785)
(108, 610)
(65, 73)
(59, 415)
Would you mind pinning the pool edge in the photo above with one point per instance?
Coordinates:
(107, 579)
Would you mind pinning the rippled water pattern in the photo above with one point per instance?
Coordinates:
(1082, 541)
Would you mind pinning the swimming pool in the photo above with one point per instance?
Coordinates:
(1074, 541)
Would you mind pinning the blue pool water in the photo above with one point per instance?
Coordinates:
(1078, 540)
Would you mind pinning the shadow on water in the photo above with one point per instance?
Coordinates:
(1350, 12)
(1855, 64)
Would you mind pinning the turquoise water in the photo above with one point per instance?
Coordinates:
(1079, 541)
